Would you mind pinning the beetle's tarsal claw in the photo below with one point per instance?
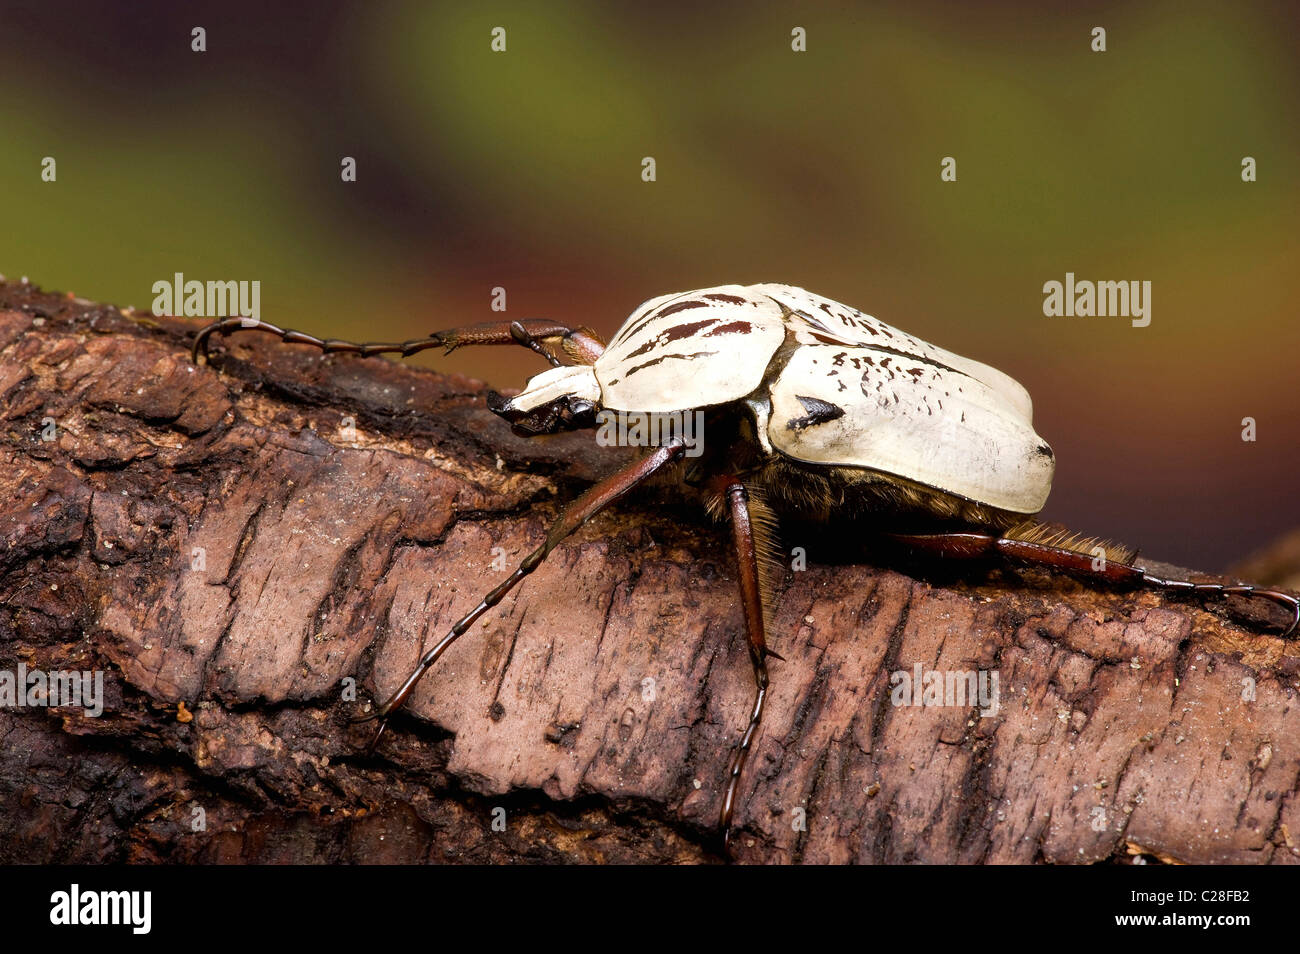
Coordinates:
(381, 714)
(1295, 622)
(772, 654)
(724, 842)
(374, 741)
(1285, 600)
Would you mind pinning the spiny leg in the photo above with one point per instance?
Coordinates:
(974, 545)
(593, 501)
(581, 344)
(751, 599)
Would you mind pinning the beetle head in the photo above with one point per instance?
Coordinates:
(561, 399)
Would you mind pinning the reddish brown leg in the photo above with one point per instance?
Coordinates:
(592, 502)
(973, 545)
(581, 345)
(751, 599)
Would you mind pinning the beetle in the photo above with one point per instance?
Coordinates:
(813, 408)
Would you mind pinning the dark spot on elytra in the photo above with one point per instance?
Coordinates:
(1044, 451)
(819, 412)
(732, 299)
(813, 322)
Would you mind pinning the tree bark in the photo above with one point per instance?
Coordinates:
(234, 545)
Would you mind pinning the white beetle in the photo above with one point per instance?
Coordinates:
(853, 391)
(812, 406)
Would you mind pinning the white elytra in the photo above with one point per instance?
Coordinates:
(852, 391)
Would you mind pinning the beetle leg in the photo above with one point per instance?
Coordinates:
(582, 345)
(595, 499)
(974, 545)
(328, 345)
(751, 599)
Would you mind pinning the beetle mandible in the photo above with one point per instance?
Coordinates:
(814, 409)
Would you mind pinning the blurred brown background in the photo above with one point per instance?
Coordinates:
(523, 170)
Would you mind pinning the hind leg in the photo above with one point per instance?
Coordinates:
(1088, 566)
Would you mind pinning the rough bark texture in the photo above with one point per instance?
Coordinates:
(1127, 723)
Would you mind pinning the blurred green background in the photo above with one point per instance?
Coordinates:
(522, 169)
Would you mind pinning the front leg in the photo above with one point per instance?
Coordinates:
(592, 502)
(581, 345)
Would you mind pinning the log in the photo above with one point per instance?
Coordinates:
(251, 551)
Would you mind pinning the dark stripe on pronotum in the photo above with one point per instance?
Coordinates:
(630, 330)
(680, 306)
(730, 328)
(672, 334)
(649, 364)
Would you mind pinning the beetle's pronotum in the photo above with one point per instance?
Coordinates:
(813, 408)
